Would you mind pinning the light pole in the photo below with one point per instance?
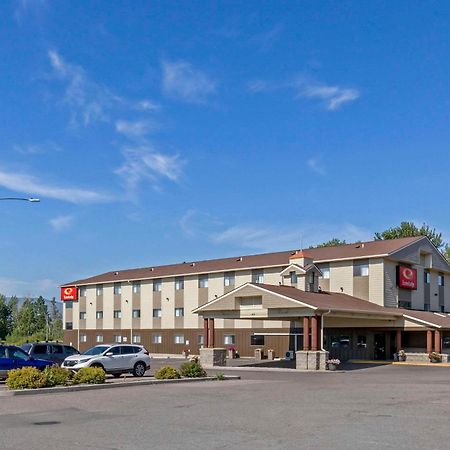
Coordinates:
(31, 199)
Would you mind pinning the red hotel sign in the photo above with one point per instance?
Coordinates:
(406, 277)
(69, 293)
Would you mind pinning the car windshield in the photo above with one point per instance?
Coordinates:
(26, 347)
(96, 350)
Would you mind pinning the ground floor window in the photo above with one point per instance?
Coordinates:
(136, 338)
(361, 341)
(256, 340)
(340, 341)
(83, 338)
(157, 339)
(229, 339)
(117, 338)
(446, 342)
(179, 339)
(99, 338)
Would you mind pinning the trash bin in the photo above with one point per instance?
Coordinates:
(259, 354)
(270, 355)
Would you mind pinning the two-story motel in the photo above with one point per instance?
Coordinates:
(363, 300)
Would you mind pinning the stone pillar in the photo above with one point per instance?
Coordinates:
(212, 332)
(398, 340)
(305, 334)
(211, 357)
(205, 333)
(437, 341)
(314, 333)
(429, 341)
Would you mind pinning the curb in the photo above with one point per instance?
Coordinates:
(92, 387)
(269, 369)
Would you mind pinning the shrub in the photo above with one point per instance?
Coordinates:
(220, 376)
(57, 376)
(192, 369)
(89, 375)
(167, 373)
(26, 378)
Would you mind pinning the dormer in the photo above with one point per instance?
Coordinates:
(301, 272)
(301, 258)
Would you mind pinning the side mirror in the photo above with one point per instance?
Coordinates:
(109, 354)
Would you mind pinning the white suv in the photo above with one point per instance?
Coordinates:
(113, 359)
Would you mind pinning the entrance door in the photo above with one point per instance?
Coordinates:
(380, 346)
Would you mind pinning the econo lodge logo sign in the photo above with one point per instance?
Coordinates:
(69, 293)
(406, 277)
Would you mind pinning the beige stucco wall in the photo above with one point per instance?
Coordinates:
(168, 306)
(146, 304)
(341, 275)
(376, 281)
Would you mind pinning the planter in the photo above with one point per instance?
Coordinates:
(332, 366)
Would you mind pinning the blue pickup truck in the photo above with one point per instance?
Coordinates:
(12, 357)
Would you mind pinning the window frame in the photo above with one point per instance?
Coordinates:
(178, 311)
(203, 281)
(157, 285)
(179, 283)
(157, 316)
(117, 288)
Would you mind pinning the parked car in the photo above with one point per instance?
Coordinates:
(12, 357)
(50, 351)
(114, 359)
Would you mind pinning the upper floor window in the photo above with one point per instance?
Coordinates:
(99, 315)
(293, 276)
(99, 289)
(440, 280)
(82, 315)
(136, 287)
(325, 272)
(69, 326)
(136, 313)
(179, 283)
(258, 276)
(312, 277)
(82, 291)
(203, 281)
(117, 288)
(427, 277)
(68, 305)
(157, 285)
(228, 279)
(361, 269)
(157, 312)
(117, 314)
(179, 312)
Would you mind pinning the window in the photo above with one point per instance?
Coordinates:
(19, 354)
(440, 280)
(99, 315)
(56, 349)
(136, 339)
(82, 291)
(293, 276)
(312, 277)
(136, 287)
(157, 339)
(404, 304)
(70, 350)
(446, 342)
(256, 340)
(426, 277)
(179, 283)
(99, 289)
(426, 307)
(179, 339)
(69, 326)
(442, 308)
(117, 338)
(117, 314)
(157, 312)
(250, 303)
(179, 312)
(157, 286)
(82, 315)
(229, 279)
(115, 350)
(136, 313)
(99, 338)
(361, 341)
(68, 305)
(203, 281)
(361, 269)
(229, 339)
(344, 341)
(325, 272)
(200, 340)
(83, 338)
(117, 288)
(40, 350)
(258, 276)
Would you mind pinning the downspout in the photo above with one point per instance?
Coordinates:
(321, 329)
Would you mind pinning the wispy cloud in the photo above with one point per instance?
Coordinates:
(61, 223)
(37, 149)
(21, 288)
(266, 39)
(315, 166)
(145, 164)
(134, 129)
(24, 7)
(181, 81)
(30, 185)
(333, 97)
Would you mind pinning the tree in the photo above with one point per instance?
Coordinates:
(332, 243)
(13, 305)
(4, 317)
(26, 321)
(41, 315)
(410, 229)
(56, 323)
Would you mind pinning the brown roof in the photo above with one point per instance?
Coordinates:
(349, 251)
(439, 319)
(300, 254)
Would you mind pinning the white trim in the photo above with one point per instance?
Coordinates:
(296, 266)
(421, 321)
(277, 334)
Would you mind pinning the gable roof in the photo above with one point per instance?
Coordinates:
(323, 254)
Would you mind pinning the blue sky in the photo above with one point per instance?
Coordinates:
(159, 132)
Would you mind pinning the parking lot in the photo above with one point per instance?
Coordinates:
(373, 407)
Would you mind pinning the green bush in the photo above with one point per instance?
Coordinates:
(89, 375)
(57, 376)
(26, 378)
(167, 373)
(192, 369)
(220, 376)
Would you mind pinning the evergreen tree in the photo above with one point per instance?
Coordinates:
(41, 315)
(26, 321)
(4, 317)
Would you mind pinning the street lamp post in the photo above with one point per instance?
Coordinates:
(31, 199)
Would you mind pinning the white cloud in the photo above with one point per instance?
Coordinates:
(21, 288)
(147, 105)
(143, 163)
(180, 80)
(25, 7)
(61, 223)
(134, 129)
(257, 86)
(314, 165)
(31, 186)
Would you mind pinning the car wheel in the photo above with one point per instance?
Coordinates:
(139, 369)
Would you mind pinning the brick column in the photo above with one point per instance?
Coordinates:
(305, 334)
(319, 332)
(314, 333)
(429, 341)
(398, 340)
(437, 341)
(205, 333)
(212, 333)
